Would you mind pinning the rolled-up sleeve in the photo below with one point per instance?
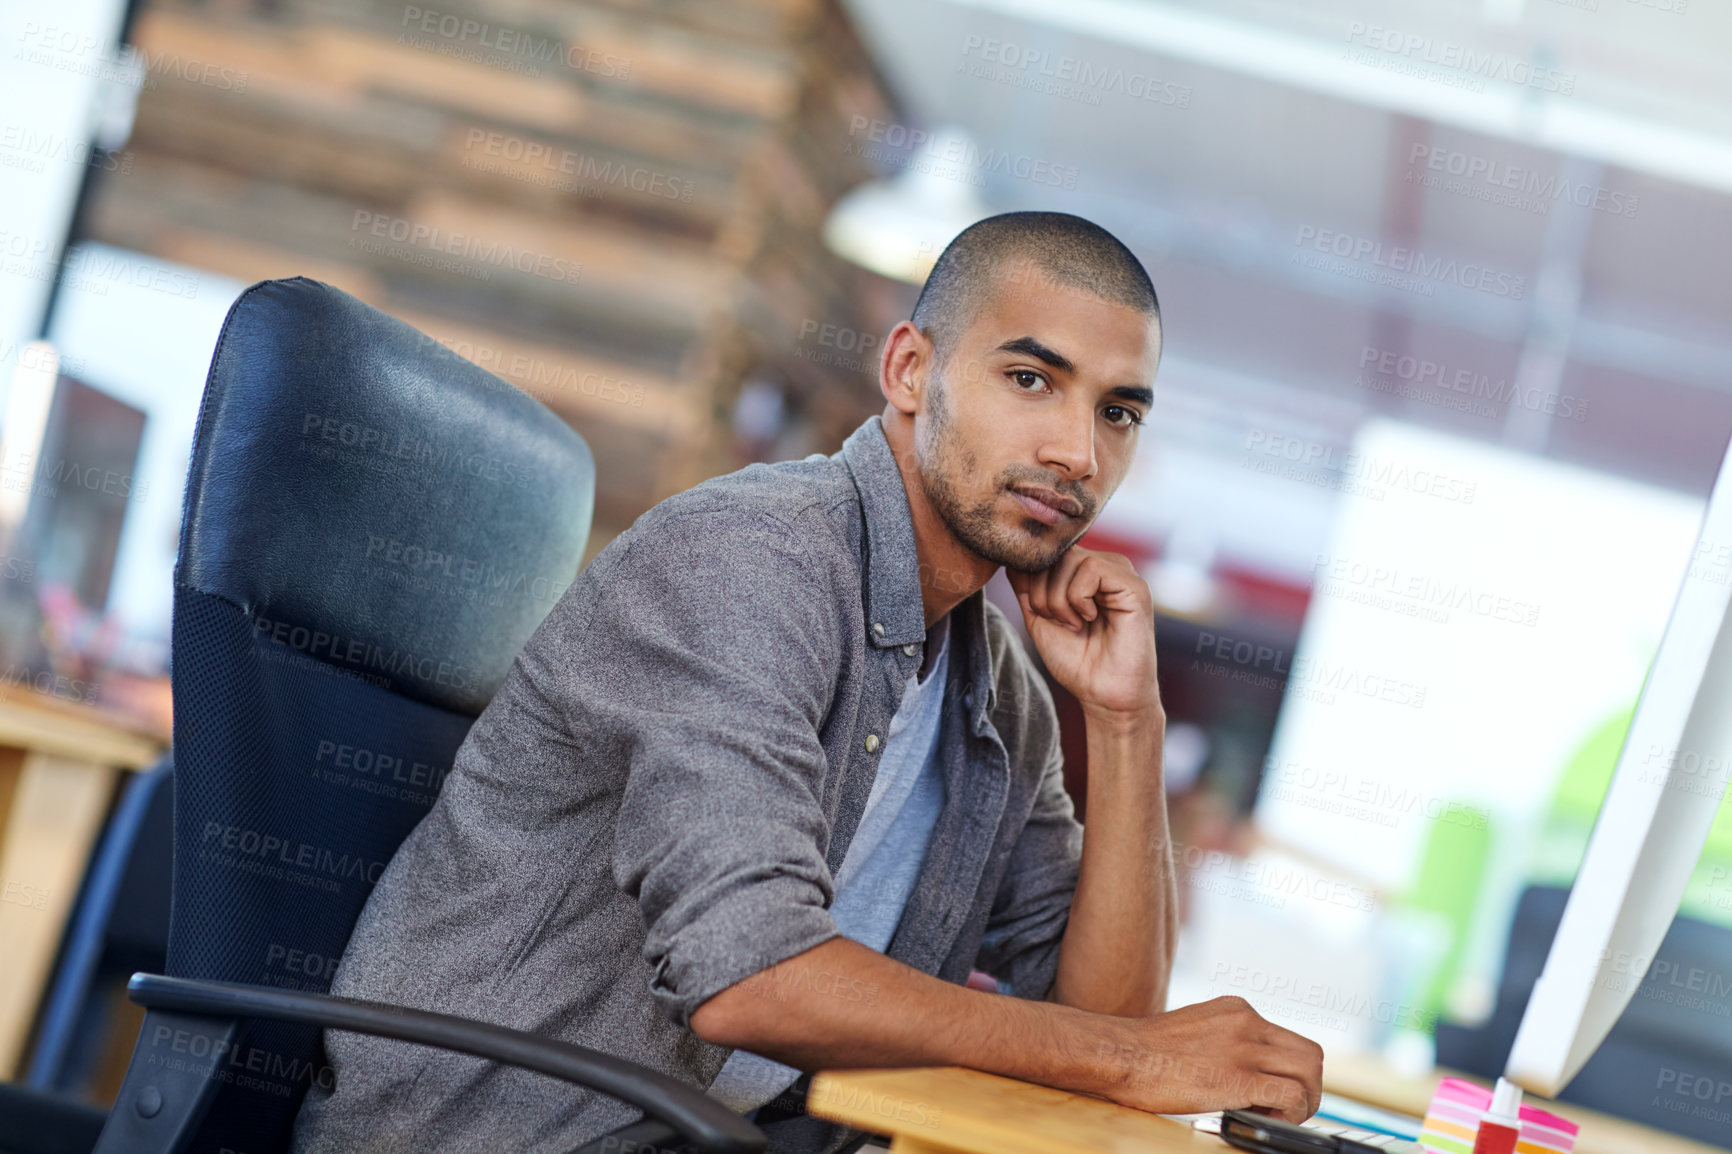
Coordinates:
(1032, 907)
(718, 636)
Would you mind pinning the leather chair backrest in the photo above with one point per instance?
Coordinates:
(372, 528)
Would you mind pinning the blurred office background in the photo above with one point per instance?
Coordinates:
(1445, 381)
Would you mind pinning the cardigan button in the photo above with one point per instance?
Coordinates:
(871, 743)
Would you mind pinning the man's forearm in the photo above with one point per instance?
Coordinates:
(1117, 952)
(842, 1005)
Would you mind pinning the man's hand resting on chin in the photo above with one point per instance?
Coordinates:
(1093, 622)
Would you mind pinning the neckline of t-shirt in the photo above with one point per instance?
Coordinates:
(943, 628)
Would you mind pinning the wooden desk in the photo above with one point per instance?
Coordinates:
(948, 1110)
(945, 1110)
(60, 762)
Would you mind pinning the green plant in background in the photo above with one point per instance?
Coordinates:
(1580, 792)
(1451, 877)
(1576, 800)
(1454, 863)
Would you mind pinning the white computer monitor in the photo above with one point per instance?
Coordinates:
(1651, 827)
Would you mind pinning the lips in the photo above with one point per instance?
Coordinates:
(1051, 499)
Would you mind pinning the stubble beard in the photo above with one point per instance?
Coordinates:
(940, 457)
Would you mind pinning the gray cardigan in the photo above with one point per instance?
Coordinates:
(653, 806)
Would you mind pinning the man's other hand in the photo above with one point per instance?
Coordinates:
(840, 1005)
(1215, 1055)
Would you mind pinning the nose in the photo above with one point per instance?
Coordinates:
(1070, 444)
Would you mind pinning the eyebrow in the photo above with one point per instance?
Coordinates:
(1029, 346)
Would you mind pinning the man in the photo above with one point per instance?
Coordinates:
(773, 776)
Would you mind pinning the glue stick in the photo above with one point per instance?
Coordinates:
(1502, 1124)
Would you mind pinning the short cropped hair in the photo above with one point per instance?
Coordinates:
(1067, 251)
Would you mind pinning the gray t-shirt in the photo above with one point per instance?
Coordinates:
(882, 861)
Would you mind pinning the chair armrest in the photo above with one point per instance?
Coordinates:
(707, 1124)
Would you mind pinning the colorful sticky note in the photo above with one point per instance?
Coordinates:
(1452, 1121)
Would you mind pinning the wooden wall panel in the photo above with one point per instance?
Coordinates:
(682, 155)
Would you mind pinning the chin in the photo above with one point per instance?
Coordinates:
(1030, 547)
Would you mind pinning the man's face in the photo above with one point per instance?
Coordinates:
(1040, 398)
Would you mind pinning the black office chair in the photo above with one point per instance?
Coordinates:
(372, 528)
(1664, 1024)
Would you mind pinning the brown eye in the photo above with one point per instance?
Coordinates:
(1026, 377)
(1133, 418)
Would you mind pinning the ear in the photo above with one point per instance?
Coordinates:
(906, 360)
